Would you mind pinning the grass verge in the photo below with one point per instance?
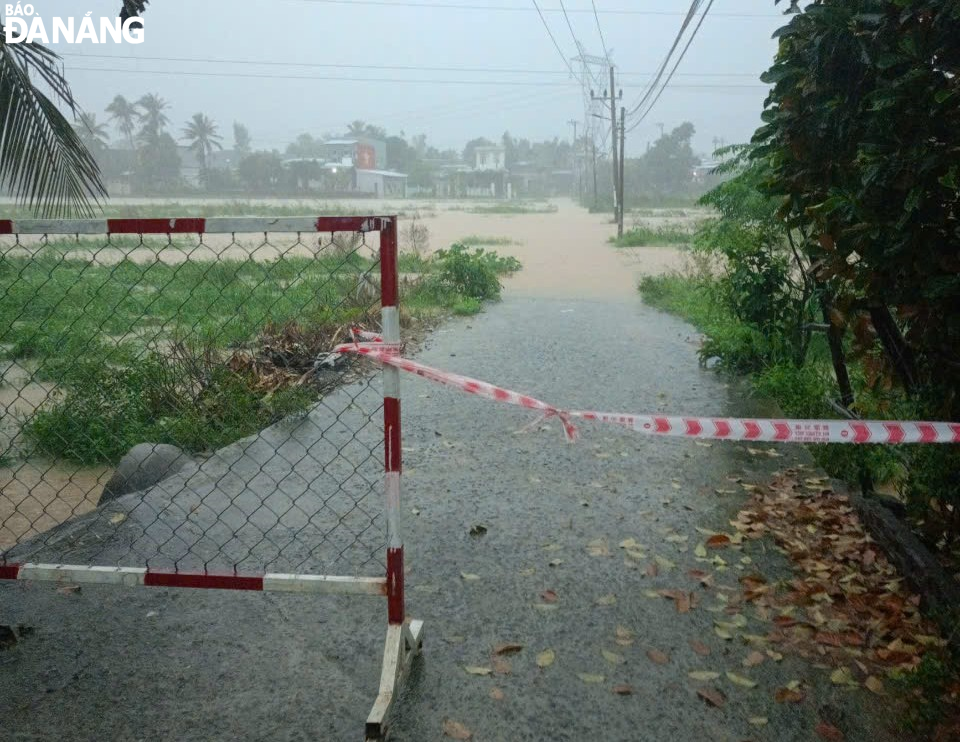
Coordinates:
(641, 236)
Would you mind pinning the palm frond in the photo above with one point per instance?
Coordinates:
(42, 159)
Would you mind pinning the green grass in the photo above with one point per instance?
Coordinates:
(647, 237)
(475, 240)
(187, 353)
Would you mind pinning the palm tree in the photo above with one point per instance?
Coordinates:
(43, 162)
(92, 133)
(124, 116)
(356, 128)
(202, 134)
(152, 117)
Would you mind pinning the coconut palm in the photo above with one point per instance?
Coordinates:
(202, 135)
(153, 120)
(43, 161)
(92, 133)
(357, 127)
(124, 116)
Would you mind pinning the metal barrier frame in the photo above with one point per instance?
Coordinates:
(404, 638)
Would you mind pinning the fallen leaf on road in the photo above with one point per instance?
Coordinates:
(699, 647)
(555, 562)
(740, 680)
(788, 695)
(69, 589)
(874, 684)
(718, 541)
(598, 548)
(651, 570)
(722, 631)
(478, 530)
(118, 518)
(842, 676)
(753, 659)
(703, 675)
(607, 600)
(829, 732)
(528, 572)
(469, 576)
(758, 721)
(456, 730)
(712, 696)
(546, 658)
(700, 550)
(501, 666)
(474, 670)
(624, 636)
(590, 679)
(658, 657)
(664, 563)
(623, 690)
(503, 649)
(612, 657)
(549, 596)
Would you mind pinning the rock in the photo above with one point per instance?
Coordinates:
(144, 465)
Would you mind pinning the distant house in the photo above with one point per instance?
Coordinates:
(487, 158)
(189, 166)
(363, 153)
(381, 183)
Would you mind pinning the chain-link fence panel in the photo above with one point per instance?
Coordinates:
(170, 401)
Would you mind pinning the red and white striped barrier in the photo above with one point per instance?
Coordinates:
(216, 225)
(891, 432)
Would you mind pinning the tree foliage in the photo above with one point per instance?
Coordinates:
(861, 131)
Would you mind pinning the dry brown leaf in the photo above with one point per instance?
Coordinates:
(496, 694)
(699, 647)
(456, 730)
(829, 732)
(623, 690)
(712, 696)
(501, 666)
(505, 649)
(658, 657)
(718, 541)
(753, 659)
(652, 570)
(874, 685)
(549, 596)
(788, 695)
(475, 670)
(69, 589)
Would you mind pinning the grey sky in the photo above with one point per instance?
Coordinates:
(453, 107)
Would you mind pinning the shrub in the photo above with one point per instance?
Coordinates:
(473, 274)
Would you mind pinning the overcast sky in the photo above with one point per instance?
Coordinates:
(716, 86)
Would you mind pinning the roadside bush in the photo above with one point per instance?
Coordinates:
(471, 274)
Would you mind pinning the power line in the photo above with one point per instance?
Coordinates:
(679, 60)
(399, 67)
(694, 6)
(603, 42)
(576, 41)
(553, 38)
(400, 80)
(515, 9)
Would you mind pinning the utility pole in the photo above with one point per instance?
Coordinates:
(595, 202)
(576, 160)
(612, 98)
(623, 158)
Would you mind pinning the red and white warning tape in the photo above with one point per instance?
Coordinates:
(725, 428)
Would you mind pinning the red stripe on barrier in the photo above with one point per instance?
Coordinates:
(861, 432)
(956, 432)
(895, 433)
(9, 571)
(752, 430)
(662, 424)
(6, 226)
(156, 226)
(395, 609)
(389, 288)
(203, 580)
(393, 460)
(722, 427)
(782, 432)
(928, 434)
(693, 427)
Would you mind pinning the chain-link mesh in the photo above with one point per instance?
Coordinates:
(170, 402)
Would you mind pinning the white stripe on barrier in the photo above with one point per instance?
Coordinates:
(285, 583)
